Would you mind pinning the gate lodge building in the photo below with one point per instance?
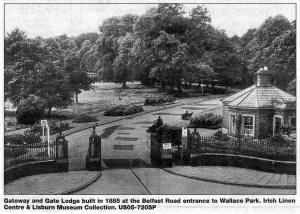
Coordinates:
(258, 111)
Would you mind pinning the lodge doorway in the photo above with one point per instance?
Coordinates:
(277, 124)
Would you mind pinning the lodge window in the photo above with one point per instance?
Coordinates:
(248, 125)
(232, 123)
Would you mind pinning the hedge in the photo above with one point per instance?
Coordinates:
(209, 121)
(85, 119)
(122, 110)
(153, 101)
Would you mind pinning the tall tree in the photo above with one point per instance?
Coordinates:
(55, 90)
(123, 63)
(110, 32)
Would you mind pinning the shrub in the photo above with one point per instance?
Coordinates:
(85, 119)
(157, 123)
(221, 136)
(30, 110)
(282, 140)
(9, 113)
(170, 133)
(153, 101)
(122, 110)
(19, 139)
(11, 122)
(55, 127)
(209, 121)
(186, 115)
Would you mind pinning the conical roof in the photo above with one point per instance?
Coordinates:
(258, 97)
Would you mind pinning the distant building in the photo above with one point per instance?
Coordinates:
(259, 110)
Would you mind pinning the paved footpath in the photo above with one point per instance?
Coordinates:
(236, 176)
(51, 183)
(154, 181)
(158, 181)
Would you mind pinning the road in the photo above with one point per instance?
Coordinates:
(127, 140)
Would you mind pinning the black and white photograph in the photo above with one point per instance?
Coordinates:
(133, 98)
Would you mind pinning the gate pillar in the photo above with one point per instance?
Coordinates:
(93, 158)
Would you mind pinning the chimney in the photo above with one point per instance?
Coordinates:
(263, 77)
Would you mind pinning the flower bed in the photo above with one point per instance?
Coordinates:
(154, 101)
(209, 121)
(85, 119)
(122, 110)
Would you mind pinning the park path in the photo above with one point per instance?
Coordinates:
(126, 139)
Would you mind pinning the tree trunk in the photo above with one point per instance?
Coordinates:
(213, 88)
(179, 87)
(124, 86)
(172, 85)
(76, 98)
(49, 112)
(163, 84)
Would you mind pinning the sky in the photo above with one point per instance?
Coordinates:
(48, 20)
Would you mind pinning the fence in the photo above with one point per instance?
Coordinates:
(262, 148)
(20, 153)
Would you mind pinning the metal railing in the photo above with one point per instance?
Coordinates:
(21, 153)
(261, 148)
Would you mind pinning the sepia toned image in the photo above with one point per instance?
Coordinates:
(149, 99)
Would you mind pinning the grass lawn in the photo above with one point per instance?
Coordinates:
(106, 95)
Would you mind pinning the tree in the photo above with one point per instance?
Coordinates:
(111, 30)
(21, 56)
(123, 66)
(55, 90)
(76, 78)
(273, 45)
(79, 80)
(54, 51)
(168, 42)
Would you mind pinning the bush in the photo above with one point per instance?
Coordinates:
(209, 121)
(9, 113)
(157, 123)
(54, 128)
(19, 139)
(85, 119)
(30, 110)
(221, 136)
(186, 115)
(153, 101)
(170, 133)
(122, 110)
